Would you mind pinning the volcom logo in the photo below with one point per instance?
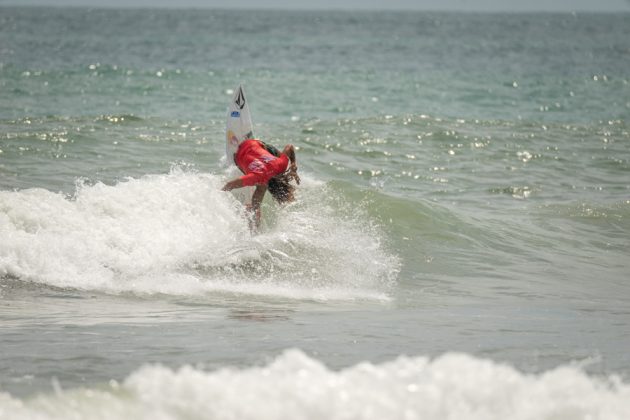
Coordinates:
(240, 99)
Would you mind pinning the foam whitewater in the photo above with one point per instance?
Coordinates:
(296, 386)
(178, 234)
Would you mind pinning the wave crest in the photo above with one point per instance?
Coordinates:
(179, 234)
(294, 385)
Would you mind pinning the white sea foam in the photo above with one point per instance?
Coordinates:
(295, 386)
(179, 234)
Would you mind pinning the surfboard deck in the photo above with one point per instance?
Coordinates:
(238, 129)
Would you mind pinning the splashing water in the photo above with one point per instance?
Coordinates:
(179, 234)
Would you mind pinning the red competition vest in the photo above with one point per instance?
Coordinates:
(258, 165)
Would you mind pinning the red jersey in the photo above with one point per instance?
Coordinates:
(257, 163)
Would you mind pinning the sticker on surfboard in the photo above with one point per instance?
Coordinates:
(239, 123)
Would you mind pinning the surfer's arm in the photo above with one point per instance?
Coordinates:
(289, 150)
(247, 180)
(235, 183)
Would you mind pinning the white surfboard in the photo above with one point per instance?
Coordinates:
(238, 129)
(239, 123)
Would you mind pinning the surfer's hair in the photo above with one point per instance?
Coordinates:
(280, 188)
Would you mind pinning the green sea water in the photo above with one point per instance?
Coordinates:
(466, 189)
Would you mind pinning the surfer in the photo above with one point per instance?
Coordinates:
(268, 169)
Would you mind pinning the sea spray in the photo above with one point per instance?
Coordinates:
(178, 233)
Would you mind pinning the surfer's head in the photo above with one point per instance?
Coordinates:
(280, 188)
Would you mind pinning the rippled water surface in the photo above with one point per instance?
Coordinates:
(459, 245)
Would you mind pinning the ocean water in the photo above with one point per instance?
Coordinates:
(459, 247)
